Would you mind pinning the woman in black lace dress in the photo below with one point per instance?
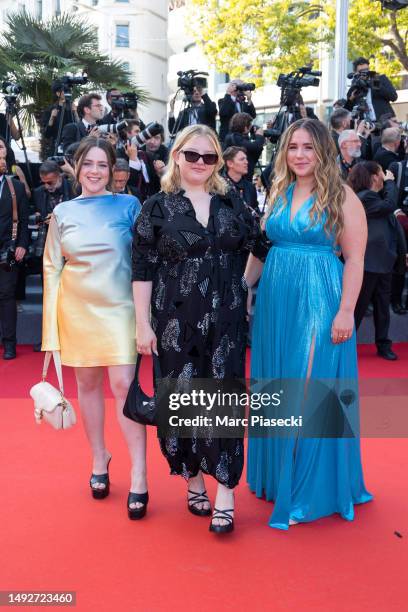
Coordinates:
(190, 247)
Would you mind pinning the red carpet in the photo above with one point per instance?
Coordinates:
(54, 536)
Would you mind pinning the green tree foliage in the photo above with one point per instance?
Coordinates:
(34, 52)
(266, 37)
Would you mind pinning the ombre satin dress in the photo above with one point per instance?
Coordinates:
(298, 297)
(88, 311)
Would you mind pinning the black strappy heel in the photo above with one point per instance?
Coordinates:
(198, 498)
(222, 514)
(137, 513)
(100, 479)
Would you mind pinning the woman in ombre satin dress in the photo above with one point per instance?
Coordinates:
(88, 312)
(304, 330)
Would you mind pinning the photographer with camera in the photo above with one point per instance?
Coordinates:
(14, 237)
(370, 90)
(55, 188)
(239, 136)
(90, 111)
(340, 120)
(56, 116)
(123, 106)
(202, 110)
(238, 99)
(150, 141)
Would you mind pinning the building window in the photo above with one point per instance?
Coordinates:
(126, 66)
(39, 9)
(122, 35)
(121, 0)
(94, 2)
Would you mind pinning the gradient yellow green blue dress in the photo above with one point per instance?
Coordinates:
(298, 297)
(88, 311)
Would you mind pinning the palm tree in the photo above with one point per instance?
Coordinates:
(34, 52)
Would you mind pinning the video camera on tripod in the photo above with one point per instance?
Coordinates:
(361, 82)
(65, 84)
(290, 101)
(190, 79)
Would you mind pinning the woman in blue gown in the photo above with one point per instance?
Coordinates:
(303, 329)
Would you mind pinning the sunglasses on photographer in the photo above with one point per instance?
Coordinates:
(210, 159)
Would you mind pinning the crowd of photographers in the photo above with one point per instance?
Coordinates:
(363, 127)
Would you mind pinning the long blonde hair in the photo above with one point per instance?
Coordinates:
(171, 180)
(329, 188)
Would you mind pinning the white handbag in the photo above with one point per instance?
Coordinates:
(50, 404)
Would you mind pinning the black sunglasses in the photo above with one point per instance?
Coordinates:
(210, 159)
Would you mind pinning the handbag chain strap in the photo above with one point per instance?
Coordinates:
(58, 368)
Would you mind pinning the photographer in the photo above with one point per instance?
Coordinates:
(378, 194)
(376, 90)
(8, 123)
(202, 110)
(238, 136)
(14, 236)
(51, 117)
(123, 106)
(90, 110)
(136, 160)
(236, 100)
(55, 188)
(157, 155)
(390, 145)
(236, 168)
(350, 152)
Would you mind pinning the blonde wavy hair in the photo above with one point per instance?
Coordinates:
(329, 188)
(171, 180)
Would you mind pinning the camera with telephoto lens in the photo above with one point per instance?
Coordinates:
(190, 79)
(151, 129)
(112, 128)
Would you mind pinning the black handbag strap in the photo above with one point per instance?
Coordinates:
(156, 366)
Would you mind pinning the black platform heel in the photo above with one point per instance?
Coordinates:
(198, 498)
(100, 479)
(137, 513)
(222, 514)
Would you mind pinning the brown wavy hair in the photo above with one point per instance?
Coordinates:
(171, 181)
(329, 189)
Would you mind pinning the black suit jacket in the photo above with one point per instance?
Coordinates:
(381, 251)
(385, 158)
(206, 113)
(381, 97)
(6, 215)
(72, 132)
(40, 197)
(227, 109)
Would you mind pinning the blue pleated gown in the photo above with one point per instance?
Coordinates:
(298, 297)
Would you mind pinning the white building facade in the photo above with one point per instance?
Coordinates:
(133, 31)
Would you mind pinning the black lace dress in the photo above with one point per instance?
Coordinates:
(198, 307)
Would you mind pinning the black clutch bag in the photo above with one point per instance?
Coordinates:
(140, 407)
